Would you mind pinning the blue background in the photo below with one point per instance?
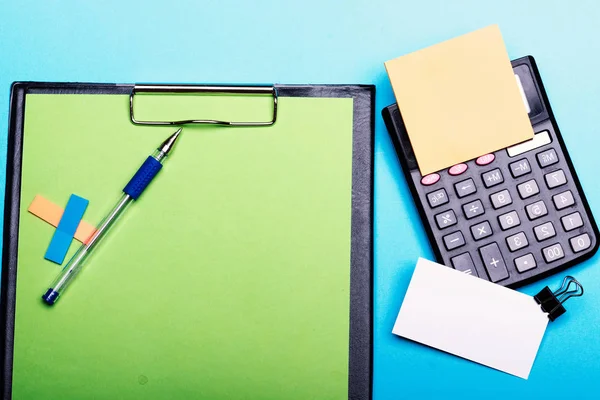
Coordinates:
(318, 41)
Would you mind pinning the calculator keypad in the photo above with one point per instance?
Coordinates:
(492, 178)
(544, 231)
(458, 169)
(546, 158)
(580, 243)
(501, 199)
(553, 253)
(445, 219)
(555, 179)
(437, 198)
(520, 168)
(528, 189)
(430, 179)
(525, 263)
(481, 231)
(507, 219)
(493, 262)
(464, 263)
(473, 209)
(485, 159)
(454, 240)
(571, 221)
(517, 242)
(465, 188)
(536, 210)
(563, 200)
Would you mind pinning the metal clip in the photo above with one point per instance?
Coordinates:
(552, 302)
(263, 90)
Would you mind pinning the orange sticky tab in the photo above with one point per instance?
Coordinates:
(51, 213)
(84, 231)
(46, 210)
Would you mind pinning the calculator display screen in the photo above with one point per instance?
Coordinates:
(527, 89)
(522, 91)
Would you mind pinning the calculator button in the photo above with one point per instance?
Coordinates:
(547, 157)
(516, 242)
(536, 210)
(553, 253)
(520, 168)
(509, 220)
(544, 231)
(555, 179)
(457, 169)
(430, 179)
(445, 219)
(493, 261)
(528, 189)
(501, 199)
(485, 159)
(464, 263)
(492, 178)
(481, 230)
(580, 243)
(437, 198)
(525, 263)
(473, 209)
(571, 221)
(465, 188)
(454, 240)
(563, 200)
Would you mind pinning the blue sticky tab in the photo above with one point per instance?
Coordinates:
(64, 233)
(73, 214)
(59, 245)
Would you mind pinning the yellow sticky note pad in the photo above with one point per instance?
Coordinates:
(459, 99)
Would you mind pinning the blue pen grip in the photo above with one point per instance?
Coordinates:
(142, 177)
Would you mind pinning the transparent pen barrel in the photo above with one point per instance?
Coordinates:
(77, 261)
(70, 270)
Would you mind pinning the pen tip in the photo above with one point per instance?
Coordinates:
(168, 144)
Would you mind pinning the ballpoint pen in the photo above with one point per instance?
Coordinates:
(131, 192)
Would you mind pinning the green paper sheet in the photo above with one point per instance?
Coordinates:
(228, 279)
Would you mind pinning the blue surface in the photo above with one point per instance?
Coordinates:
(65, 231)
(318, 41)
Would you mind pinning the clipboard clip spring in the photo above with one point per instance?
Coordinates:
(245, 90)
(552, 302)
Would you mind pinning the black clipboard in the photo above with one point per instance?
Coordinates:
(360, 335)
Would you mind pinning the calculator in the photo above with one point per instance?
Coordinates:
(513, 216)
